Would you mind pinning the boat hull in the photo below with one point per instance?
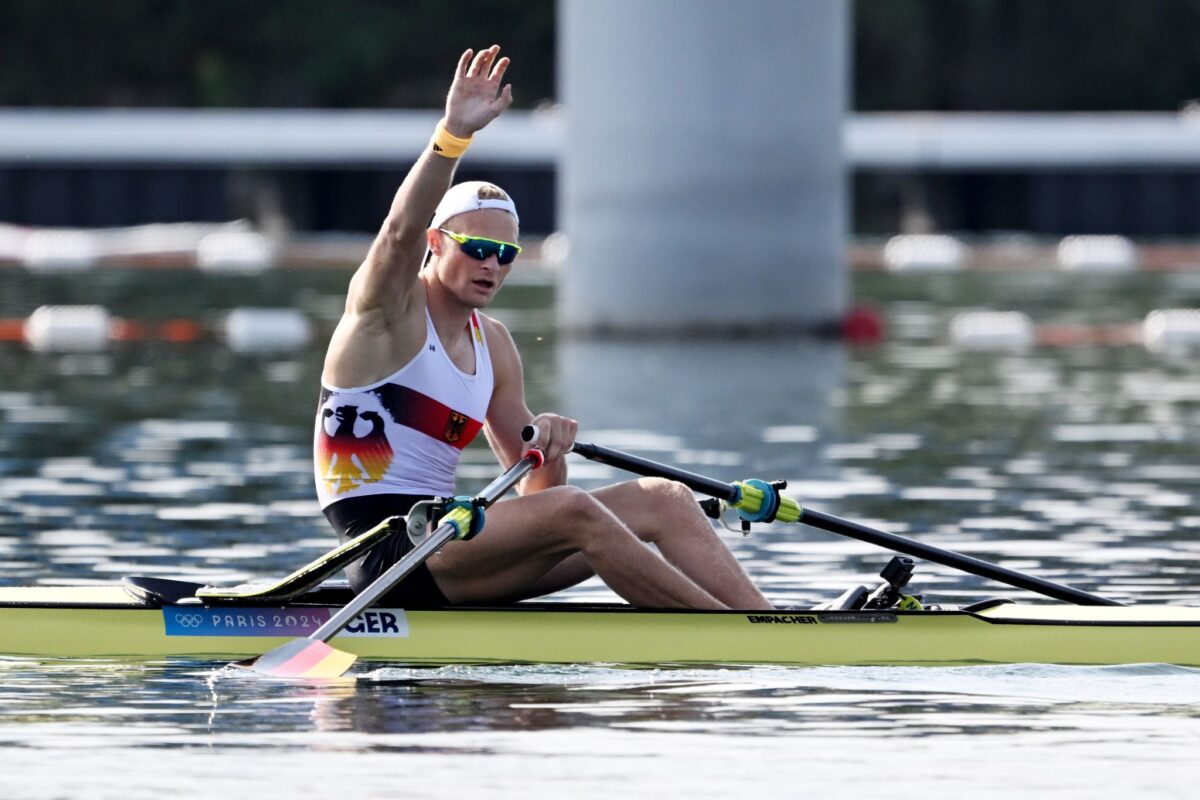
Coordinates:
(105, 622)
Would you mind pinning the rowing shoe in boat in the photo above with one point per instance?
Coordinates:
(149, 618)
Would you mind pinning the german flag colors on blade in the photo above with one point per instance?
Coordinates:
(304, 658)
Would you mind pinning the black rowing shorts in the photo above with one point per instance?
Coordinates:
(357, 515)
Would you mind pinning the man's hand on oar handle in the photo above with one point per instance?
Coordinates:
(554, 435)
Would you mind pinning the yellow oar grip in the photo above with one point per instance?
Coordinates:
(751, 498)
(460, 518)
(789, 510)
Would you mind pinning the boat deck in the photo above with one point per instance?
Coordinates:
(107, 621)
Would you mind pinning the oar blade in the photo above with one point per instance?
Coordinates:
(304, 658)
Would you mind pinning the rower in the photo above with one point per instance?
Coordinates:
(414, 371)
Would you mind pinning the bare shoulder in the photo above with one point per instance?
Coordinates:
(495, 330)
(506, 360)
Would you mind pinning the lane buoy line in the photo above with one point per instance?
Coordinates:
(92, 328)
(1166, 330)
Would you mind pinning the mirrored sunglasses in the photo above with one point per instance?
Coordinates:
(481, 248)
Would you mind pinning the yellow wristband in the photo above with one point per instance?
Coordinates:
(447, 144)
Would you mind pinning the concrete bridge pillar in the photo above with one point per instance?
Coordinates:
(702, 186)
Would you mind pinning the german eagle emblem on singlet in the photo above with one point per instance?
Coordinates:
(349, 460)
(455, 425)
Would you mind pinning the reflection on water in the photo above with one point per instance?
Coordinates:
(706, 393)
(1077, 464)
(505, 729)
(752, 701)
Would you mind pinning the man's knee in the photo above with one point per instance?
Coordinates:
(665, 492)
(657, 506)
(578, 509)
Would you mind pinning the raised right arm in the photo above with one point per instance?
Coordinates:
(383, 321)
(387, 278)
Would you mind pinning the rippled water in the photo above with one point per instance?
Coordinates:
(1078, 464)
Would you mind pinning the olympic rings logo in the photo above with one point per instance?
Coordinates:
(189, 620)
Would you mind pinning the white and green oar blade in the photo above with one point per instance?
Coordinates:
(303, 658)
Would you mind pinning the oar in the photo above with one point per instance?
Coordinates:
(312, 657)
(310, 575)
(753, 496)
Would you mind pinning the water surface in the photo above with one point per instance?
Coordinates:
(1077, 464)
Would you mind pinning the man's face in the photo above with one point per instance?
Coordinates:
(474, 282)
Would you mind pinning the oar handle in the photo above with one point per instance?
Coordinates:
(817, 519)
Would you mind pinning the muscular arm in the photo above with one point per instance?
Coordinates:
(394, 260)
(385, 296)
(387, 278)
(508, 414)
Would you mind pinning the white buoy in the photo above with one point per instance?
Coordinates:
(235, 251)
(161, 240)
(1097, 254)
(68, 329)
(1005, 331)
(1172, 330)
(12, 242)
(60, 251)
(266, 330)
(924, 252)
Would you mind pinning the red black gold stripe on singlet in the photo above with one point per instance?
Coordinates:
(422, 413)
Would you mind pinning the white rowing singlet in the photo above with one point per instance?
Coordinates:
(405, 433)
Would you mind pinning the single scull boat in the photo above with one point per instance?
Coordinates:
(292, 621)
(110, 621)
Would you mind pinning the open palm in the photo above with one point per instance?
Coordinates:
(476, 96)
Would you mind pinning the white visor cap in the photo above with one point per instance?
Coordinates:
(464, 197)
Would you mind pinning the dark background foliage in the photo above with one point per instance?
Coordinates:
(299, 53)
(1099, 55)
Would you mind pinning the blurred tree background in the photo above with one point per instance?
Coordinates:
(281, 53)
(946, 55)
(908, 55)
(1026, 55)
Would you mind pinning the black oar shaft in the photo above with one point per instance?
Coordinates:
(949, 558)
(644, 466)
(828, 522)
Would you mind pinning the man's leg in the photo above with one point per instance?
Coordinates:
(666, 514)
(530, 539)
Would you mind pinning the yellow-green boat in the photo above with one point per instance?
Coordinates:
(110, 621)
